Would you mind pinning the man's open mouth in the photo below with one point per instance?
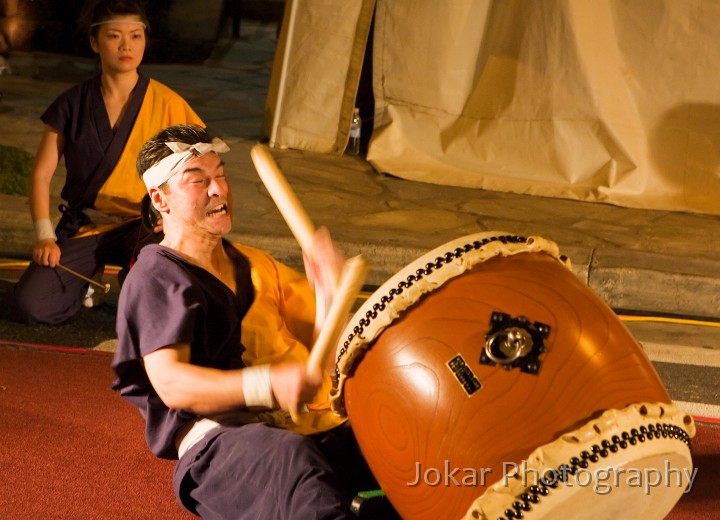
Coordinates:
(218, 210)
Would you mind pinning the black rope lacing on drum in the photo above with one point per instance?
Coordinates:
(429, 268)
(535, 493)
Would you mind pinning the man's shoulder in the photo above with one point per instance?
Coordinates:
(150, 253)
(156, 261)
(154, 271)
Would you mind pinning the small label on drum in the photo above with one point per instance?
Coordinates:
(464, 375)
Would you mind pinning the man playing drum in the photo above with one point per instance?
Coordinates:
(213, 344)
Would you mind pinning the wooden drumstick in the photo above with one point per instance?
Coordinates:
(292, 211)
(351, 279)
(105, 287)
(354, 269)
(353, 272)
(286, 201)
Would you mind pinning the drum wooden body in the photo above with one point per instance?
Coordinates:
(437, 420)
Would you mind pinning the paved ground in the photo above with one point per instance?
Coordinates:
(652, 263)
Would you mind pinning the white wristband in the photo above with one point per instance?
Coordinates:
(44, 229)
(257, 387)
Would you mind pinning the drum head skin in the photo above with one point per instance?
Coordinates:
(630, 463)
(437, 420)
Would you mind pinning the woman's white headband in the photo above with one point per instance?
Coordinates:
(118, 21)
(183, 153)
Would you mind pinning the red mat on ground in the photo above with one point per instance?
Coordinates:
(70, 448)
(702, 501)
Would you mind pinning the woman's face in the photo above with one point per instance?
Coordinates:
(120, 43)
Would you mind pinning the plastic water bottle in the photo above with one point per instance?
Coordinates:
(353, 146)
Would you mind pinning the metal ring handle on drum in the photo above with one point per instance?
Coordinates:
(516, 343)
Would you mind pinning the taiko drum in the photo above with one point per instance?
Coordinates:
(473, 356)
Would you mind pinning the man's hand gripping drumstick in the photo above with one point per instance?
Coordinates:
(321, 261)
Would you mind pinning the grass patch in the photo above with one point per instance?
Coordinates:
(15, 166)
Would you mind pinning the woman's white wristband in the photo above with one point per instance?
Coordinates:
(44, 229)
(257, 387)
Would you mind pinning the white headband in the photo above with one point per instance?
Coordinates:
(182, 154)
(118, 21)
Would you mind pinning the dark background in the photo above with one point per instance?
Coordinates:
(57, 28)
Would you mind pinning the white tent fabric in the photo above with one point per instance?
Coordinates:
(316, 73)
(615, 101)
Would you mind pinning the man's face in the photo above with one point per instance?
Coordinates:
(199, 198)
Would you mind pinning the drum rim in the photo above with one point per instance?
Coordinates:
(440, 265)
(639, 425)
